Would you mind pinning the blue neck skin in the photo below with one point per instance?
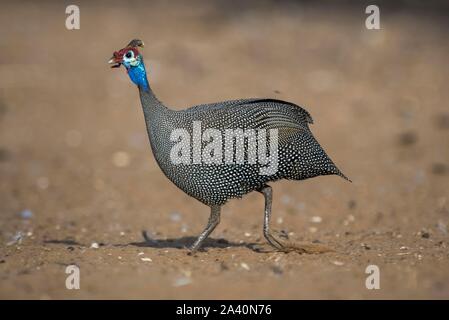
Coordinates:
(138, 75)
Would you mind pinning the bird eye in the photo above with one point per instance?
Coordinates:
(129, 54)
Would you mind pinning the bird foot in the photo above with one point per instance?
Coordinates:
(298, 247)
(148, 239)
(304, 247)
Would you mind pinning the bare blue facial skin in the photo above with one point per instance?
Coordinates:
(137, 73)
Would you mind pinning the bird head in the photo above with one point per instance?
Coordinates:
(129, 56)
(132, 60)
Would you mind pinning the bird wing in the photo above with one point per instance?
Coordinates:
(287, 117)
(254, 113)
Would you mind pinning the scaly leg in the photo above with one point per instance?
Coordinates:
(268, 194)
(214, 220)
(298, 247)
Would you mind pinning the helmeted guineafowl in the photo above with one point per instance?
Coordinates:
(217, 173)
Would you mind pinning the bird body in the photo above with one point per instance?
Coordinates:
(300, 156)
(210, 176)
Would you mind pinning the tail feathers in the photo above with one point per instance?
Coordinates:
(336, 171)
(343, 176)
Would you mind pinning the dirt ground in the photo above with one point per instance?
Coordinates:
(79, 184)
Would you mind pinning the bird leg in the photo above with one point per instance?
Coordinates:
(214, 220)
(288, 247)
(268, 194)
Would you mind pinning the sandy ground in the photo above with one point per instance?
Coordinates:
(74, 151)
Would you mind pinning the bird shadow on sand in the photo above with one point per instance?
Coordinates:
(69, 242)
(168, 243)
(187, 241)
(184, 243)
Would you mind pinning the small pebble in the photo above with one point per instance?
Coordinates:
(403, 248)
(121, 159)
(277, 270)
(146, 259)
(182, 281)
(94, 245)
(424, 234)
(26, 214)
(140, 254)
(316, 219)
(338, 263)
(175, 216)
(279, 220)
(247, 234)
(244, 266)
(365, 246)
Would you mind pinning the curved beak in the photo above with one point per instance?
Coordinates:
(115, 63)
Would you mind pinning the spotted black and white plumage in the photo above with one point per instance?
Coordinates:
(299, 154)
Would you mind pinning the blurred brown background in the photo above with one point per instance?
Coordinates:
(76, 168)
